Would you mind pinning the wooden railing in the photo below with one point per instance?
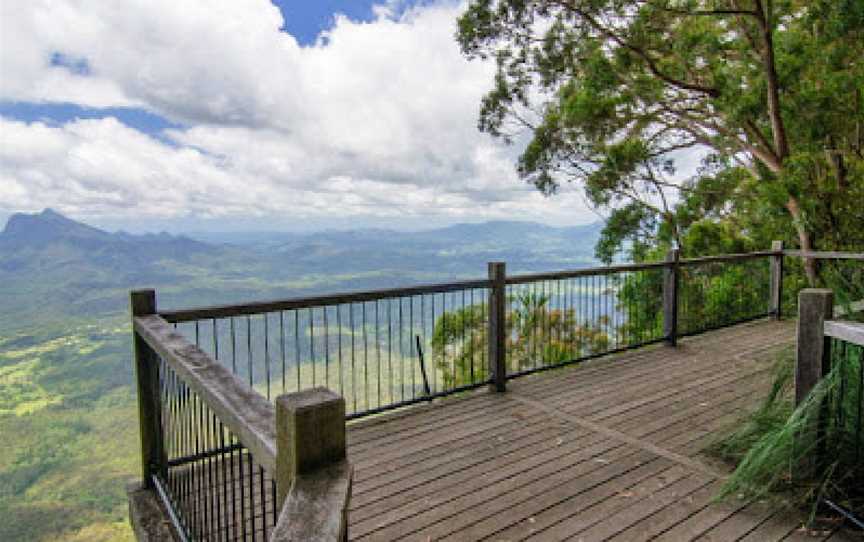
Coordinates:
(826, 343)
(232, 459)
(227, 463)
(385, 349)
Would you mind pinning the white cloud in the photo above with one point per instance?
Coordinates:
(377, 119)
(102, 168)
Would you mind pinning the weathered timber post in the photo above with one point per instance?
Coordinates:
(310, 452)
(812, 363)
(815, 306)
(671, 282)
(143, 303)
(777, 280)
(497, 326)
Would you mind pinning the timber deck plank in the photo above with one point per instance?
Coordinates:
(612, 449)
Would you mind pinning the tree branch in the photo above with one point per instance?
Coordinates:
(781, 144)
(649, 62)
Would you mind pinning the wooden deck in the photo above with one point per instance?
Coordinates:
(608, 450)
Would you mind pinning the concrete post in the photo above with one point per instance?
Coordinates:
(815, 306)
(777, 280)
(310, 435)
(497, 326)
(670, 297)
(143, 303)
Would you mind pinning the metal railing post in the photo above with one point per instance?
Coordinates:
(670, 297)
(777, 280)
(143, 303)
(497, 326)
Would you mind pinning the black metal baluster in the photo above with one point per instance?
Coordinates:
(312, 346)
(241, 481)
(401, 353)
(297, 360)
(353, 349)
(390, 386)
(249, 348)
(326, 350)
(411, 349)
(339, 350)
(233, 346)
(282, 347)
(224, 470)
(211, 489)
(378, 351)
(234, 483)
(365, 357)
(267, 352)
(250, 460)
(471, 338)
(263, 502)
(215, 341)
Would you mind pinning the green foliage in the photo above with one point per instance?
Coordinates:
(60, 477)
(780, 448)
(772, 413)
(537, 334)
(612, 91)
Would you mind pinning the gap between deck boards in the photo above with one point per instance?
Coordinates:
(618, 435)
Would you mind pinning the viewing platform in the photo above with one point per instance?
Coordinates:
(610, 450)
(551, 406)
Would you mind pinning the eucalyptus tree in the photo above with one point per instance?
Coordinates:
(536, 333)
(613, 92)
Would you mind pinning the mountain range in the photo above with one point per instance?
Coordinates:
(51, 264)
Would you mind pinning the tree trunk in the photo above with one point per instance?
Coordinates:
(805, 240)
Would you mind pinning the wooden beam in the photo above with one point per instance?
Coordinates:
(313, 476)
(310, 434)
(316, 510)
(670, 297)
(497, 326)
(143, 302)
(826, 255)
(226, 311)
(815, 306)
(851, 332)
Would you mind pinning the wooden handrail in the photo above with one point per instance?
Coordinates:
(825, 255)
(316, 508)
(850, 332)
(225, 311)
(249, 415)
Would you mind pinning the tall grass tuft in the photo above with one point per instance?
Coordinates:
(809, 452)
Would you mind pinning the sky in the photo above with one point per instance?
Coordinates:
(237, 115)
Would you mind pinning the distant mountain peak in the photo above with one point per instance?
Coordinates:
(48, 212)
(47, 226)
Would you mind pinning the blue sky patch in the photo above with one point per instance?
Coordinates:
(76, 65)
(304, 19)
(56, 114)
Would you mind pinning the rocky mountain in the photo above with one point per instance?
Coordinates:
(49, 241)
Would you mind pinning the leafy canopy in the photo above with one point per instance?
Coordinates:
(612, 93)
